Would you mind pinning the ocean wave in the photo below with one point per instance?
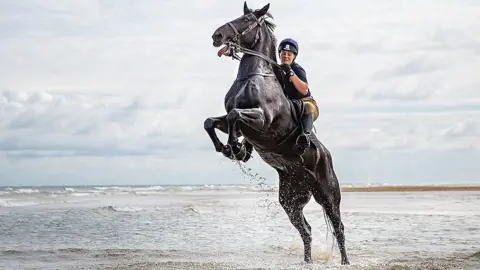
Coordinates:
(105, 251)
(122, 209)
(130, 190)
(135, 209)
(157, 190)
(25, 191)
(81, 194)
(11, 203)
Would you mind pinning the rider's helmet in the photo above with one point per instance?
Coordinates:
(288, 44)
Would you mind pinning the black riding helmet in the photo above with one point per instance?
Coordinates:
(288, 44)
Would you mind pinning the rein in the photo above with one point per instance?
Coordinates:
(235, 48)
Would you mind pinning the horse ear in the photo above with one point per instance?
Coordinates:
(262, 11)
(246, 10)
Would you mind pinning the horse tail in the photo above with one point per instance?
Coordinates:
(328, 223)
(326, 162)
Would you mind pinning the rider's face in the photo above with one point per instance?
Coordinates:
(287, 57)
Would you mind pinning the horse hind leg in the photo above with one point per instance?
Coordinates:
(326, 192)
(329, 198)
(293, 199)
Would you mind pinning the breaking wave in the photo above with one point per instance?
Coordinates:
(130, 190)
(135, 209)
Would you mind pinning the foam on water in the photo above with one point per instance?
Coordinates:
(230, 227)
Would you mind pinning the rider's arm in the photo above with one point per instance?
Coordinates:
(299, 80)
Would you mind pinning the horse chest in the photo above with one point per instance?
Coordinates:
(248, 98)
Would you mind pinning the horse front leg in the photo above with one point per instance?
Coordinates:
(220, 122)
(253, 118)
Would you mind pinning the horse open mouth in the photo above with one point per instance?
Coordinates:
(222, 51)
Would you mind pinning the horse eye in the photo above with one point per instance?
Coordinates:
(246, 19)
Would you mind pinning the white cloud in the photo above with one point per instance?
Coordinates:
(409, 131)
(116, 90)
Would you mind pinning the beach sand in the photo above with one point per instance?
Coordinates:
(391, 188)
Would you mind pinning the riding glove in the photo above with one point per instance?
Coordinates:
(287, 69)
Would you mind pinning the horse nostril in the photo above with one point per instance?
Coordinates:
(217, 37)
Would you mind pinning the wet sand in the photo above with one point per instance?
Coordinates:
(410, 188)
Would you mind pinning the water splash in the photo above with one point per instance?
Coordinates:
(254, 178)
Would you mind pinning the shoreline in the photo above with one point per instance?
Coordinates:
(405, 188)
(346, 188)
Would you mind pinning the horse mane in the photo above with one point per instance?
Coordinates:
(273, 50)
(270, 25)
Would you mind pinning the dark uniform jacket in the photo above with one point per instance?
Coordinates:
(290, 91)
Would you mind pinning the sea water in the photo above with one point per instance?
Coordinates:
(230, 227)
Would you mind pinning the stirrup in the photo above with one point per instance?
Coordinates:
(303, 144)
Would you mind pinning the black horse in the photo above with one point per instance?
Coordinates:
(258, 110)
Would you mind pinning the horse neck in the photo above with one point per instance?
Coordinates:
(252, 64)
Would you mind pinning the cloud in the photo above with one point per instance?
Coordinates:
(424, 78)
(61, 137)
(398, 92)
(412, 67)
(407, 131)
(102, 125)
(87, 125)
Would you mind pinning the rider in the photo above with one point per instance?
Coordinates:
(296, 87)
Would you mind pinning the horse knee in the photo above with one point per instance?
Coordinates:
(208, 124)
(233, 115)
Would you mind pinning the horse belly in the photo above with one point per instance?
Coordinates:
(276, 161)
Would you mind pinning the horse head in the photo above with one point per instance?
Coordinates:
(240, 29)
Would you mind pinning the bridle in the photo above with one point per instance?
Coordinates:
(258, 22)
(234, 46)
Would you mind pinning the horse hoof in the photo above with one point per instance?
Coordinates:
(227, 151)
(345, 262)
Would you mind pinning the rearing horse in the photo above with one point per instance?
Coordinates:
(258, 110)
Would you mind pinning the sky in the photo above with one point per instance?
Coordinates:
(115, 92)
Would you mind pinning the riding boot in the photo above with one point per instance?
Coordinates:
(303, 141)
